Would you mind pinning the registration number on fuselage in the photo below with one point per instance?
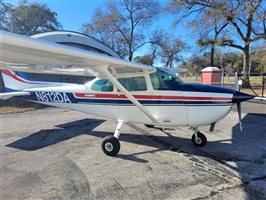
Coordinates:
(55, 97)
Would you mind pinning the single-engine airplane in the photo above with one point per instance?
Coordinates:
(122, 90)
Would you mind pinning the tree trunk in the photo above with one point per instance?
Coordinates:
(212, 55)
(130, 51)
(246, 62)
(130, 57)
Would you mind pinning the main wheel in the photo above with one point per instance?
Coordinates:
(201, 141)
(110, 145)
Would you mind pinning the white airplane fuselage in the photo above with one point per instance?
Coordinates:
(161, 104)
(188, 105)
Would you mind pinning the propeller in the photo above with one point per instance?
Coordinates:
(239, 97)
(238, 105)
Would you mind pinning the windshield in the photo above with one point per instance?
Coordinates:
(164, 80)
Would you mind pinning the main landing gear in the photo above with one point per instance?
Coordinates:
(198, 138)
(111, 144)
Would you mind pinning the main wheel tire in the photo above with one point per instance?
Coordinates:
(201, 141)
(149, 126)
(110, 145)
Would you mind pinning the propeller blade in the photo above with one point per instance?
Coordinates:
(238, 104)
(239, 97)
(236, 82)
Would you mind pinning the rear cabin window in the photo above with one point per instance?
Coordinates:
(102, 85)
(134, 83)
(164, 80)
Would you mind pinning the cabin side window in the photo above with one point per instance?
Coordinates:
(133, 83)
(164, 80)
(102, 85)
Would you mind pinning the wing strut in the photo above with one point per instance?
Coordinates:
(114, 81)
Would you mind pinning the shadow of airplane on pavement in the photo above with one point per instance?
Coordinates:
(247, 149)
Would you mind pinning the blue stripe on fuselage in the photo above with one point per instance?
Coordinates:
(124, 102)
(149, 102)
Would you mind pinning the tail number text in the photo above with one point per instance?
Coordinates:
(56, 97)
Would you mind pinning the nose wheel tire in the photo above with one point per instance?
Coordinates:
(199, 141)
(110, 145)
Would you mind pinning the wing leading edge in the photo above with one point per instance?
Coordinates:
(23, 53)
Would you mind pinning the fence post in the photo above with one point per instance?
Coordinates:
(236, 82)
(222, 77)
(262, 88)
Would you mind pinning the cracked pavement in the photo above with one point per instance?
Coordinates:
(53, 153)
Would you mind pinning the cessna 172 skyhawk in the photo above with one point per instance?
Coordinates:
(122, 90)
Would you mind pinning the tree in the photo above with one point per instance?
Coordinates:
(196, 63)
(106, 33)
(247, 18)
(167, 47)
(204, 25)
(147, 59)
(214, 40)
(249, 21)
(232, 62)
(28, 18)
(258, 63)
(121, 25)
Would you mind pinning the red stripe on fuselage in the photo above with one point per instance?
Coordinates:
(10, 74)
(152, 97)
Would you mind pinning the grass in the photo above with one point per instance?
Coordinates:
(17, 105)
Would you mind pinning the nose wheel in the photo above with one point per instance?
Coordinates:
(199, 139)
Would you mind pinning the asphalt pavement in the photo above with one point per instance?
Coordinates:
(53, 153)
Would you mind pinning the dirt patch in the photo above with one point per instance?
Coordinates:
(17, 105)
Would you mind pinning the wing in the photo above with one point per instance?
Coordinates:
(21, 53)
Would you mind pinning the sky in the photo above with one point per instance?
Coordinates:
(73, 13)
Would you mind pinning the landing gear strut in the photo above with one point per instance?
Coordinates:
(111, 144)
(198, 138)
